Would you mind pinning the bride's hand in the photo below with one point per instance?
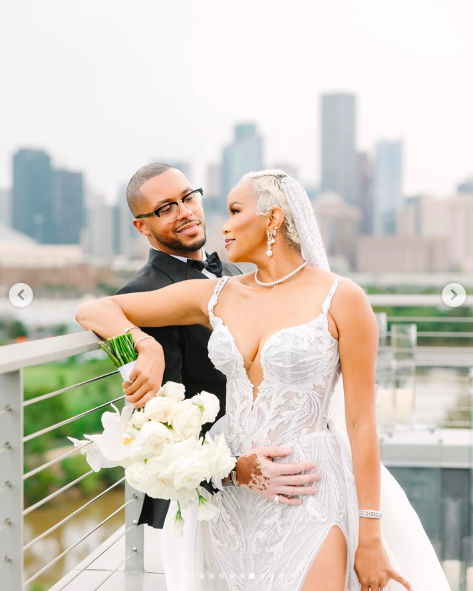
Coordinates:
(147, 375)
(373, 568)
(257, 471)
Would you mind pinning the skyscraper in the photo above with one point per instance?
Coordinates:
(125, 234)
(5, 207)
(68, 206)
(338, 145)
(244, 155)
(387, 185)
(365, 192)
(32, 204)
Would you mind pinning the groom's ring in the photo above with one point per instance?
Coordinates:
(148, 394)
(276, 499)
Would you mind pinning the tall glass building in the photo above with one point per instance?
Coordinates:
(244, 155)
(387, 185)
(338, 146)
(32, 203)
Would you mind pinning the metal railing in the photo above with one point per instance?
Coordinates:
(13, 360)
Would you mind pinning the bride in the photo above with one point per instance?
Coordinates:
(298, 346)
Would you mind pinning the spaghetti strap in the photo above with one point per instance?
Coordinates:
(328, 299)
(213, 300)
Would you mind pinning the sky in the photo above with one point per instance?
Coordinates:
(106, 86)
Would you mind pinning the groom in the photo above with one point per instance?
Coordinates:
(176, 233)
(168, 211)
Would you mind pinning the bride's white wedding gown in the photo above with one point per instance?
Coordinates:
(255, 544)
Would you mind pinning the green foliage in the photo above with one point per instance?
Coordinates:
(39, 486)
(16, 329)
(74, 466)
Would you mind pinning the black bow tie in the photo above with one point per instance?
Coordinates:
(212, 264)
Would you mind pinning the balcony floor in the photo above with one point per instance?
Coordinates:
(92, 577)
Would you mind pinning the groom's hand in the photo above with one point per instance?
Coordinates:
(266, 478)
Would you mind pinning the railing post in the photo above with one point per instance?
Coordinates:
(135, 537)
(11, 480)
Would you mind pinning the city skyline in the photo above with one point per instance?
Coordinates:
(107, 104)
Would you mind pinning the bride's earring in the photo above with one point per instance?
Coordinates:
(271, 241)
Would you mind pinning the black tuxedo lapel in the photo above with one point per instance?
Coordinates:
(175, 269)
(178, 270)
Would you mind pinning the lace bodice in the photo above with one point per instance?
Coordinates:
(300, 371)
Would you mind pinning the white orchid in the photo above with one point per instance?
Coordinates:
(92, 453)
(209, 405)
(120, 442)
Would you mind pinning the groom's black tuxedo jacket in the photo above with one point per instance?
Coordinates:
(185, 349)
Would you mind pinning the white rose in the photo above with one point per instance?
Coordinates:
(155, 435)
(161, 409)
(186, 472)
(209, 404)
(186, 420)
(139, 476)
(173, 390)
(139, 419)
(223, 461)
(161, 488)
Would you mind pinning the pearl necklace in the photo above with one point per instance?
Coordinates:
(279, 280)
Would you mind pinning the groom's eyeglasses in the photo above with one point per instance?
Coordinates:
(170, 211)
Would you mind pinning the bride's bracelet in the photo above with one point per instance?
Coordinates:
(370, 513)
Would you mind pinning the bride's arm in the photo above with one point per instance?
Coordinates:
(358, 347)
(180, 303)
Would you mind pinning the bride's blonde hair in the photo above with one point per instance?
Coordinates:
(269, 193)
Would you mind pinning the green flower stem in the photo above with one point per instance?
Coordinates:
(202, 499)
(120, 349)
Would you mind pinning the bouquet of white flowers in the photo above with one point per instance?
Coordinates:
(161, 449)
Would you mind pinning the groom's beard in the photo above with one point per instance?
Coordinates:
(174, 243)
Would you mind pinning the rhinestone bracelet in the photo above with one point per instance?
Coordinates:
(370, 513)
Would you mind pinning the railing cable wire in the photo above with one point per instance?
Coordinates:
(55, 461)
(50, 564)
(71, 515)
(55, 494)
(96, 557)
(116, 568)
(57, 392)
(67, 421)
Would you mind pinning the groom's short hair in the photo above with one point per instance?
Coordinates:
(146, 172)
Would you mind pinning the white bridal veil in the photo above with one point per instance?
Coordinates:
(404, 538)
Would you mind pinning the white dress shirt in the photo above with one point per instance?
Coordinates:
(185, 259)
